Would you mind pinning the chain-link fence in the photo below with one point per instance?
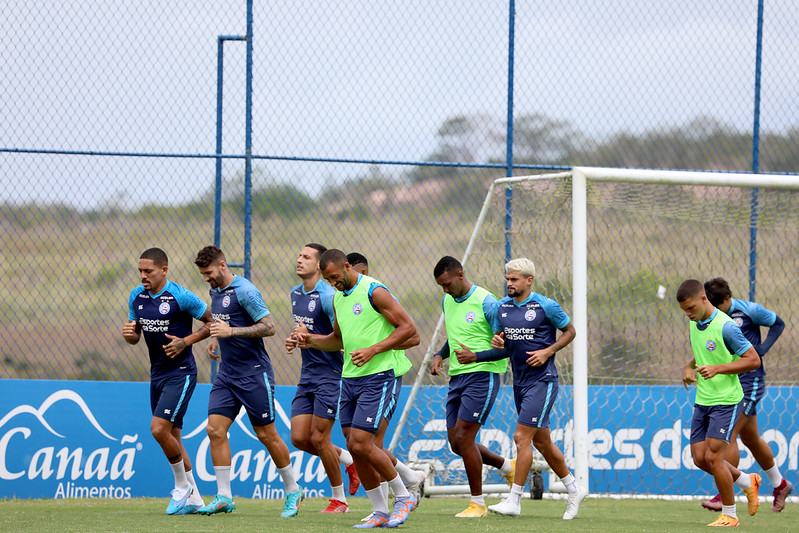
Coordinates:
(376, 127)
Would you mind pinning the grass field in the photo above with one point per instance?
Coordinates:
(434, 514)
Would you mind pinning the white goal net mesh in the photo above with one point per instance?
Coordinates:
(642, 240)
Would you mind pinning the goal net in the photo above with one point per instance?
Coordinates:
(611, 246)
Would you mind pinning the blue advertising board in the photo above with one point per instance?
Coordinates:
(63, 439)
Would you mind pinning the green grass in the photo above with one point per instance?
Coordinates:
(434, 514)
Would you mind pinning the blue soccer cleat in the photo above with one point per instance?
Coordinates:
(179, 499)
(220, 504)
(292, 506)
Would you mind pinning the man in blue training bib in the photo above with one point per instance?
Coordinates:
(750, 317)
(721, 352)
(163, 312)
(245, 378)
(315, 404)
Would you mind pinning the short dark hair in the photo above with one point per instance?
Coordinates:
(208, 256)
(689, 288)
(354, 258)
(447, 264)
(334, 256)
(156, 255)
(320, 249)
(717, 290)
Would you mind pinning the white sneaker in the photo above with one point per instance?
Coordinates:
(366, 519)
(506, 508)
(417, 489)
(573, 503)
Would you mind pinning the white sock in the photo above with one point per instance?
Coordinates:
(398, 487)
(344, 457)
(479, 499)
(195, 496)
(223, 481)
(729, 510)
(338, 493)
(774, 475)
(379, 503)
(287, 474)
(180, 475)
(744, 481)
(515, 495)
(506, 466)
(407, 475)
(570, 483)
(384, 489)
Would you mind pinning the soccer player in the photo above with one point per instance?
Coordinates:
(245, 378)
(163, 312)
(721, 352)
(414, 479)
(315, 404)
(358, 262)
(472, 388)
(373, 328)
(527, 323)
(750, 316)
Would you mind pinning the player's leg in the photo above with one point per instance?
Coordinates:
(257, 394)
(169, 400)
(413, 479)
(347, 407)
(223, 408)
(371, 394)
(195, 500)
(761, 451)
(321, 429)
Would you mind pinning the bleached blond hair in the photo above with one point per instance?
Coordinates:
(522, 265)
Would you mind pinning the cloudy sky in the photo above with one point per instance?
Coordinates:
(357, 80)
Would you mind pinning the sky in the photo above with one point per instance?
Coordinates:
(356, 80)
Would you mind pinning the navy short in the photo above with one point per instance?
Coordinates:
(471, 397)
(714, 421)
(366, 400)
(534, 402)
(753, 393)
(255, 393)
(392, 406)
(169, 397)
(319, 399)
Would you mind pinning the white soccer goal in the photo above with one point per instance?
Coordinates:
(611, 246)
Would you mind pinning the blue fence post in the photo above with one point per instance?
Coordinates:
(509, 135)
(755, 157)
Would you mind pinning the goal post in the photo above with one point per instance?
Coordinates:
(632, 231)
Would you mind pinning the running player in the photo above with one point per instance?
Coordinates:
(413, 479)
(164, 311)
(527, 323)
(472, 388)
(315, 404)
(750, 316)
(245, 378)
(721, 352)
(373, 329)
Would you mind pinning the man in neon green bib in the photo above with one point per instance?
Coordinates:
(473, 387)
(374, 330)
(721, 352)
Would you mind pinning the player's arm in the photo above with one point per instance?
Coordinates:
(736, 343)
(404, 333)
(437, 364)
(178, 344)
(774, 332)
(539, 357)
(264, 327)
(327, 343)
(131, 331)
(688, 373)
